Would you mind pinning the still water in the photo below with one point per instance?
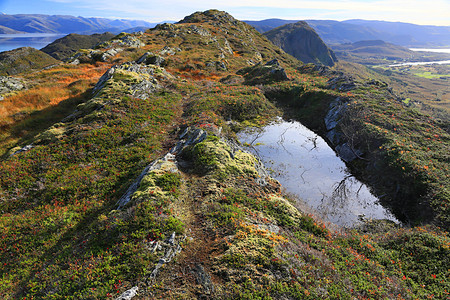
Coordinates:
(35, 40)
(310, 170)
(436, 50)
(440, 62)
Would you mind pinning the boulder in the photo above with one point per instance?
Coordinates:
(129, 294)
(10, 84)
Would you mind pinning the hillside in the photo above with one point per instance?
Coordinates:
(23, 60)
(302, 42)
(67, 46)
(350, 31)
(140, 189)
(66, 24)
(6, 30)
(377, 52)
(424, 87)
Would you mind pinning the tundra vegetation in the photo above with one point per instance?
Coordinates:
(206, 221)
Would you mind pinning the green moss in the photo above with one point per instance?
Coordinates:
(214, 155)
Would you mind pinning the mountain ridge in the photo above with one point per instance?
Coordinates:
(339, 32)
(40, 23)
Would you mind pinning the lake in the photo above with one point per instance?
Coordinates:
(440, 62)
(35, 40)
(311, 171)
(430, 50)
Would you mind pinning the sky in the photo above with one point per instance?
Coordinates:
(422, 12)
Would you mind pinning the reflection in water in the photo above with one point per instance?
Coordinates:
(308, 168)
(35, 40)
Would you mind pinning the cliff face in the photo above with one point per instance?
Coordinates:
(302, 42)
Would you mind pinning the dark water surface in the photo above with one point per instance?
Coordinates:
(309, 169)
(35, 40)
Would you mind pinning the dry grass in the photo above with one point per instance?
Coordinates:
(70, 82)
(45, 101)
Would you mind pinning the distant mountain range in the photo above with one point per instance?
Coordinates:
(34, 23)
(350, 31)
(332, 32)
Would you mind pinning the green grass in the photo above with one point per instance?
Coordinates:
(430, 75)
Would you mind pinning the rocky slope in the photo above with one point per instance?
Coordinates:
(302, 42)
(65, 47)
(143, 192)
(23, 60)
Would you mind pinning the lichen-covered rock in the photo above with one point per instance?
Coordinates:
(144, 78)
(169, 51)
(272, 71)
(198, 30)
(150, 59)
(123, 40)
(110, 53)
(145, 183)
(9, 85)
(128, 294)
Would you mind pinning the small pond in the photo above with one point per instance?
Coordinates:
(310, 170)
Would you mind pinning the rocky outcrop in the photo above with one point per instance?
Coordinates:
(272, 71)
(67, 46)
(106, 50)
(332, 120)
(23, 60)
(145, 75)
(9, 85)
(302, 42)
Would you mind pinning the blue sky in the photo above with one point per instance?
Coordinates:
(424, 12)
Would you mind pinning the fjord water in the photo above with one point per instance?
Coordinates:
(310, 170)
(35, 40)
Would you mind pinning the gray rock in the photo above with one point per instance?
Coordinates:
(346, 153)
(135, 185)
(145, 88)
(130, 41)
(129, 294)
(165, 26)
(169, 51)
(189, 137)
(279, 74)
(23, 149)
(142, 89)
(269, 227)
(273, 62)
(204, 279)
(110, 53)
(227, 47)
(198, 30)
(334, 136)
(10, 84)
(221, 66)
(171, 247)
(150, 59)
(335, 112)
